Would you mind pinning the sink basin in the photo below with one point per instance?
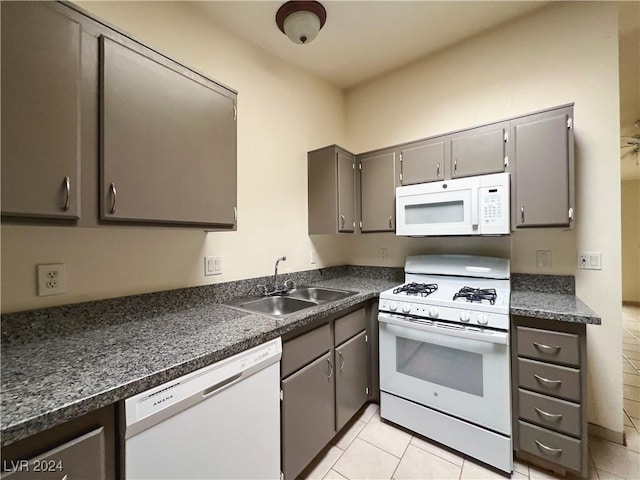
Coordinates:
(319, 295)
(277, 306)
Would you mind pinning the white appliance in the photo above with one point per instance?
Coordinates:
(444, 354)
(220, 422)
(462, 206)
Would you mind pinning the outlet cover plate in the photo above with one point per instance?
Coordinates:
(590, 260)
(52, 279)
(212, 266)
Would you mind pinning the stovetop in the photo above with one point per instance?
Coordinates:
(469, 299)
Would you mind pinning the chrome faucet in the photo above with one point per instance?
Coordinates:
(275, 275)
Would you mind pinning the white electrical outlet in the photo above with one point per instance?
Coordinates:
(384, 254)
(312, 258)
(51, 279)
(212, 266)
(590, 260)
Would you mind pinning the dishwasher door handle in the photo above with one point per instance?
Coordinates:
(218, 386)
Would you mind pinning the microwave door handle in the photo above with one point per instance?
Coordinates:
(475, 193)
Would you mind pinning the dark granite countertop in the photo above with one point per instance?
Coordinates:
(550, 297)
(118, 348)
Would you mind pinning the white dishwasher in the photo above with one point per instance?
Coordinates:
(220, 422)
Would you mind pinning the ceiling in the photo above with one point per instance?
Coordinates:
(364, 39)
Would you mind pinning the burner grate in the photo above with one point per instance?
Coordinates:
(414, 288)
(477, 294)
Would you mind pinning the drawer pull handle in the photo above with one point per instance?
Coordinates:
(548, 450)
(546, 381)
(546, 348)
(67, 194)
(548, 416)
(330, 373)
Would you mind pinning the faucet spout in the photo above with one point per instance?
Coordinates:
(275, 275)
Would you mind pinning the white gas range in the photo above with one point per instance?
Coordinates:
(444, 354)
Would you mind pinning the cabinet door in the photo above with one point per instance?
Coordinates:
(40, 111)
(423, 163)
(307, 414)
(346, 192)
(351, 378)
(479, 151)
(168, 141)
(543, 155)
(378, 193)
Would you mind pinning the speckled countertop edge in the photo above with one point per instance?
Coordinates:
(550, 297)
(90, 364)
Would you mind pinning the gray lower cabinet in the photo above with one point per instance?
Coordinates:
(81, 448)
(332, 191)
(41, 65)
(351, 378)
(307, 414)
(325, 381)
(168, 139)
(479, 151)
(424, 161)
(542, 149)
(550, 395)
(377, 191)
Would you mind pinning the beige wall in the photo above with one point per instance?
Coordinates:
(283, 113)
(560, 54)
(631, 241)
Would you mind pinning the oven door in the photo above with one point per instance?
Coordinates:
(438, 208)
(456, 371)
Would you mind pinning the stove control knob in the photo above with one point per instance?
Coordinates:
(483, 319)
(406, 308)
(465, 316)
(393, 306)
(433, 312)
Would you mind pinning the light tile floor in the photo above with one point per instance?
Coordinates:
(372, 449)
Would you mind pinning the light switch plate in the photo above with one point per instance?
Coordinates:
(212, 266)
(543, 258)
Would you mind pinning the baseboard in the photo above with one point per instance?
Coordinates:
(631, 303)
(606, 434)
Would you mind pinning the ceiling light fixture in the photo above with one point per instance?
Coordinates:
(301, 20)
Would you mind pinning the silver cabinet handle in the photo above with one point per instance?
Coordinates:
(438, 170)
(548, 450)
(390, 221)
(67, 194)
(455, 166)
(548, 416)
(341, 360)
(546, 381)
(235, 214)
(342, 221)
(546, 348)
(330, 374)
(522, 213)
(114, 193)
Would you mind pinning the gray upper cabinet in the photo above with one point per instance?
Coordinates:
(41, 70)
(377, 192)
(479, 151)
(424, 162)
(331, 195)
(543, 193)
(168, 139)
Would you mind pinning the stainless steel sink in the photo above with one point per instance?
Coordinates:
(298, 299)
(319, 295)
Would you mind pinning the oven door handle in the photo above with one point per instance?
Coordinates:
(501, 338)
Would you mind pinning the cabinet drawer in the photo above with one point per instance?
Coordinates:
(553, 380)
(551, 446)
(548, 346)
(299, 351)
(349, 325)
(550, 412)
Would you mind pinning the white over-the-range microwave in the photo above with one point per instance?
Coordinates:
(462, 206)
